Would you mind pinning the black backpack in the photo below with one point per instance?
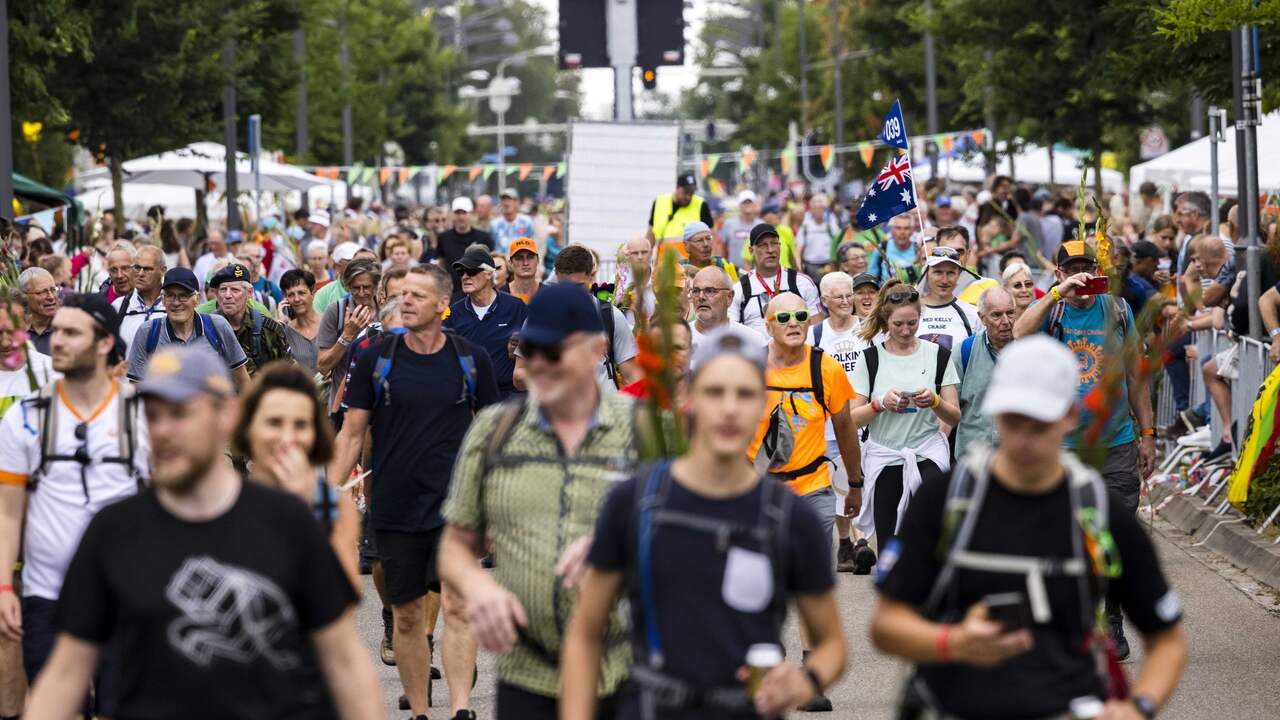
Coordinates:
(872, 357)
(793, 286)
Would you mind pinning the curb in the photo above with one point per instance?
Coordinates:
(1225, 534)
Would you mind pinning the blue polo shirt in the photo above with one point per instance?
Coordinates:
(505, 316)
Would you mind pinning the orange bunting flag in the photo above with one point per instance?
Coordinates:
(868, 153)
(978, 137)
(404, 175)
(547, 172)
(384, 174)
(705, 167)
(826, 153)
(474, 173)
(444, 173)
(948, 142)
(525, 169)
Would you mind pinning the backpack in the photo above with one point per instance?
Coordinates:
(872, 357)
(47, 422)
(387, 355)
(256, 334)
(1117, 311)
(779, 441)
(206, 325)
(771, 530)
(744, 282)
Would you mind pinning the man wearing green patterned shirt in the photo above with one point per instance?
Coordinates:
(531, 475)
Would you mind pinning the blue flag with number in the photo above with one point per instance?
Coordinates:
(891, 193)
(894, 132)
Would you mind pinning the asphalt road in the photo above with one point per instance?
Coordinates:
(1233, 626)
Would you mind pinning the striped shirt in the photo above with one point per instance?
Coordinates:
(534, 501)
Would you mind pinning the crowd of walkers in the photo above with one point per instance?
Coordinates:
(209, 439)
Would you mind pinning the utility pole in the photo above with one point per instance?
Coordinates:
(6, 128)
(303, 142)
(930, 89)
(344, 61)
(837, 51)
(229, 132)
(623, 43)
(804, 74)
(1247, 120)
(989, 115)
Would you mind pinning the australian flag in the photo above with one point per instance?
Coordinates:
(891, 193)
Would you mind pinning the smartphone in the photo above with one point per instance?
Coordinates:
(1009, 610)
(1100, 285)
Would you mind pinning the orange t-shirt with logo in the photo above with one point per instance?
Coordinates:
(807, 417)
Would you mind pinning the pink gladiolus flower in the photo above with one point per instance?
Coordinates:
(14, 360)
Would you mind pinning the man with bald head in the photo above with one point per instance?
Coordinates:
(216, 244)
(975, 364)
(807, 388)
(710, 293)
(146, 301)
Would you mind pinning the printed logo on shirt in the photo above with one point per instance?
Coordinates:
(230, 613)
(939, 339)
(846, 353)
(1089, 355)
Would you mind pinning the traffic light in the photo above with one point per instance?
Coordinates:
(649, 76)
(661, 37)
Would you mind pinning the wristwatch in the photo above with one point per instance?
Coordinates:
(1274, 331)
(1145, 705)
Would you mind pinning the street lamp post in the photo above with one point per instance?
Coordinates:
(501, 90)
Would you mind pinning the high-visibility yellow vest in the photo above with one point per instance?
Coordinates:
(669, 222)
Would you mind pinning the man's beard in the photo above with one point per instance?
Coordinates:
(185, 482)
(81, 368)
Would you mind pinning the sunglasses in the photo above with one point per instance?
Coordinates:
(903, 296)
(944, 251)
(551, 353)
(800, 316)
(470, 272)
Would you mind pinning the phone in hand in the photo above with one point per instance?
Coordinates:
(1100, 285)
(1009, 610)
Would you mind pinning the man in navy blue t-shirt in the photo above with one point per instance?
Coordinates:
(485, 316)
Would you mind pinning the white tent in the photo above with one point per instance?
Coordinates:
(1187, 167)
(200, 164)
(1030, 165)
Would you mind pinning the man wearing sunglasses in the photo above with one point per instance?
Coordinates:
(485, 316)
(76, 447)
(146, 301)
(1099, 328)
(944, 319)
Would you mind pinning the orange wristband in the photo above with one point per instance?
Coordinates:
(943, 643)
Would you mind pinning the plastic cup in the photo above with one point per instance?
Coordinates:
(761, 658)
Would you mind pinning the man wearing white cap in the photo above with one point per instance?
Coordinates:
(318, 225)
(699, 243)
(1011, 556)
(453, 243)
(343, 254)
(944, 319)
(736, 231)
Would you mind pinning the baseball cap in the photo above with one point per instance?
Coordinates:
(181, 277)
(510, 193)
(729, 339)
(942, 201)
(695, 227)
(319, 218)
(942, 255)
(178, 373)
(557, 311)
(747, 196)
(345, 251)
(234, 237)
(686, 180)
(474, 258)
(1076, 249)
(1035, 376)
(762, 231)
(234, 272)
(1146, 249)
(463, 204)
(522, 244)
(865, 279)
(96, 305)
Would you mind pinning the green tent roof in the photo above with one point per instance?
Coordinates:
(26, 189)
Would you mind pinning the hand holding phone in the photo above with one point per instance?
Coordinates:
(1009, 610)
(1098, 285)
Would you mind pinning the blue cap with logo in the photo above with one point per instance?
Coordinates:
(181, 277)
(178, 373)
(559, 310)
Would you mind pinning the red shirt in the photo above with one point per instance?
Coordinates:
(638, 389)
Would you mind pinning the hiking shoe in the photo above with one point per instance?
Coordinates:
(844, 556)
(864, 558)
(819, 703)
(1192, 419)
(465, 715)
(404, 699)
(387, 651)
(1119, 642)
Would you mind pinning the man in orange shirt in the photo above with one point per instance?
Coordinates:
(806, 388)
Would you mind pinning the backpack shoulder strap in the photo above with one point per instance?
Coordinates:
(944, 358)
(606, 316)
(382, 368)
(965, 493)
(1055, 321)
(211, 333)
(43, 404)
(258, 320)
(744, 281)
(793, 280)
(127, 404)
(964, 317)
(508, 416)
(815, 377)
(467, 361)
(776, 508)
(871, 356)
(153, 335)
(966, 351)
(817, 334)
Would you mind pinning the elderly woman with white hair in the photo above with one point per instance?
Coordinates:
(1018, 281)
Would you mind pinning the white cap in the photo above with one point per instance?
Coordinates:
(345, 251)
(1035, 376)
(935, 260)
(319, 218)
(747, 196)
(462, 203)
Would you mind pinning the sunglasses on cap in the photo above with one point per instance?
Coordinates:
(903, 296)
(944, 251)
(784, 317)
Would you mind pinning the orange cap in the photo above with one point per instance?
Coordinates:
(522, 243)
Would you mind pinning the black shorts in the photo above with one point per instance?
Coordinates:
(409, 563)
(516, 703)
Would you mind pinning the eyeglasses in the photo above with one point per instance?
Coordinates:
(709, 292)
(944, 251)
(784, 317)
(841, 298)
(178, 296)
(47, 292)
(903, 296)
(143, 268)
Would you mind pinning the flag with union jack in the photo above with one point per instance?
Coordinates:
(891, 193)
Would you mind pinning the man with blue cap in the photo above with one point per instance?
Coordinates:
(531, 475)
(699, 243)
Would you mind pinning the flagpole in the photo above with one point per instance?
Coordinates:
(919, 215)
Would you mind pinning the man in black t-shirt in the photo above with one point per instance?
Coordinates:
(453, 243)
(224, 594)
(418, 391)
(998, 603)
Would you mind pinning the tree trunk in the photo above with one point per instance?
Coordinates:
(117, 191)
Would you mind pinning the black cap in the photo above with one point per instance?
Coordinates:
(762, 231)
(1146, 249)
(474, 258)
(231, 273)
(865, 279)
(557, 311)
(105, 316)
(686, 180)
(181, 277)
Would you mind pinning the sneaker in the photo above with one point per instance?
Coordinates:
(404, 699)
(1177, 428)
(1192, 419)
(387, 652)
(464, 715)
(819, 703)
(864, 558)
(844, 556)
(1119, 642)
(366, 566)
